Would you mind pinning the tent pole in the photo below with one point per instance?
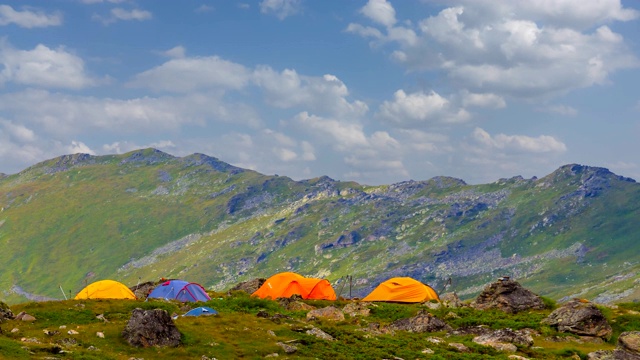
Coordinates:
(63, 294)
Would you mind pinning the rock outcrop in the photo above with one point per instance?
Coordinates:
(5, 312)
(424, 322)
(580, 317)
(628, 348)
(504, 339)
(328, 313)
(508, 296)
(249, 286)
(141, 291)
(151, 328)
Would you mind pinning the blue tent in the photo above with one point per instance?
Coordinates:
(203, 310)
(180, 290)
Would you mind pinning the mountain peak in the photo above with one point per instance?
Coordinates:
(148, 156)
(198, 159)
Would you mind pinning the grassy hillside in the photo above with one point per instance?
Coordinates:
(237, 332)
(146, 214)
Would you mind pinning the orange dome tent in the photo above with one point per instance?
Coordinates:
(287, 283)
(402, 289)
(105, 289)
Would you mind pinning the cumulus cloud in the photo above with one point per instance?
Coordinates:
(182, 75)
(117, 14)
(518, 143)
(483, 100)
(44, 67)
(121, 147)
(288, 89)
(65, 115)
(525, 49)
(177, 52)
(280, 8)
(380, 11)
(28, 18)
(419, 108)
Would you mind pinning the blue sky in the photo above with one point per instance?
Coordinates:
(376, 91)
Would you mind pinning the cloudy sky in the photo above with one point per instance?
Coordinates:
(376, 91)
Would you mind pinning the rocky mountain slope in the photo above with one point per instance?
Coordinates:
(146, 214)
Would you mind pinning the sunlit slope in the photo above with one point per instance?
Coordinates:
(147, 214)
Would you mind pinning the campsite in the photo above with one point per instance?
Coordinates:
(402, 319)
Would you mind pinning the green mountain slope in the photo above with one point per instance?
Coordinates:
(146, 214)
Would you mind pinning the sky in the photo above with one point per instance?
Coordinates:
(377, 91)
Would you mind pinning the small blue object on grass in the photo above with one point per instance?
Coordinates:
(201, 311)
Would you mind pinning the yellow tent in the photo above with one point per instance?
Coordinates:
(105, 289)
(287, 283)
(402, 289)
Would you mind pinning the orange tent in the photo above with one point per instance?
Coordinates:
(105, 289)
(402, 289)
(287, 283)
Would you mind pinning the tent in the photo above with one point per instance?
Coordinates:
(179, 290)
(105, 289)
(287, 283)
(402, 289)
(201, 311)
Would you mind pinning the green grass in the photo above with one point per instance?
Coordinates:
(238, 333)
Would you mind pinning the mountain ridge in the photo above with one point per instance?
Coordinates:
(148, 214)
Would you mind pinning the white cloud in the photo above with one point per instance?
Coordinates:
(280, 8)
(101, 1)
(518, 143)
(341, 135)
(416, 109)
(78, 147)
(483, 100)
(288, 89)
(380, 11)
(527, 49)
(121, 147)
(65, 115)
(42, 66)
(177, 52)
(117, 14)
(28, 18)
(191, 74)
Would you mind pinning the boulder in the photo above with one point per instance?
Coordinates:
(151, 328)
(319, 334)
(508, 296)
(328, 313)
(299, 306)
(141, 291)
(423, 322)
(579, 317)
(5, 312)
(451, 300)
(611, 355)
(504, 340)
(249, 286)
(629, 341)
(354, 309)
(289, 349)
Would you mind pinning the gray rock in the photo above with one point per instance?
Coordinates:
(611, 355)
(423, 322)
(151, 328)
(142, 290)
(451, 300)
(5, 312)
(289, 349)
(580, 317)
(320, 334)
(328, 313)
(357, 309)
(249, 286)
(508, 296)
(630, 341)
(504, 340)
